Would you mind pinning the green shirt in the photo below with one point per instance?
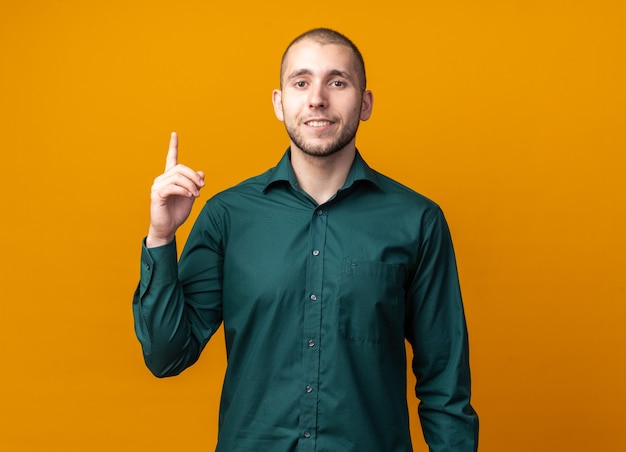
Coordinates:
(317, 302)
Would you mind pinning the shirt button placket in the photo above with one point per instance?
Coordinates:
(312, 329)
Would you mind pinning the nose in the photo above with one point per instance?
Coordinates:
(317, 97)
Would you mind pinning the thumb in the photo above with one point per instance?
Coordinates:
(172, 154)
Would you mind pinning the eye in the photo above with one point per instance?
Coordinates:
(300, 84)
(338, 83)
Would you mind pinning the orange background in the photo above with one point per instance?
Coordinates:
(509, 114)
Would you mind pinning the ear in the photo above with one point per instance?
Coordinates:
(277, 100)
(366, 105)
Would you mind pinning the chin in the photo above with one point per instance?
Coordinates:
(321, 148)
(320, 152)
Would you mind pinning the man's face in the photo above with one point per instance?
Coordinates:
(321, 101)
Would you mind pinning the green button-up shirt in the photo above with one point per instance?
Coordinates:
(317, 302)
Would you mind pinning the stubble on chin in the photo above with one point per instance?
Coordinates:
(322, 149)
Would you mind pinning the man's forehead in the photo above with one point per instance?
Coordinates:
(308, 55)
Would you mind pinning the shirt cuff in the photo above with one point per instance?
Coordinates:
(158, 265)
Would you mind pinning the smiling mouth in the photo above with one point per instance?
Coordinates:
(318, 123)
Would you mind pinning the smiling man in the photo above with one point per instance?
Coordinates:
(321, 270)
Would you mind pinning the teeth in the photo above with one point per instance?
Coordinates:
(318, 123)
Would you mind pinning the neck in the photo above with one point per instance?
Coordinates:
(322, 177)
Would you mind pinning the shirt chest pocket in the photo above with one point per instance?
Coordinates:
(371, 301)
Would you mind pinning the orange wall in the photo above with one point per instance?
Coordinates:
(510, 114)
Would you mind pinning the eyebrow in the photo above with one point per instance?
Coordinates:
(332, 73)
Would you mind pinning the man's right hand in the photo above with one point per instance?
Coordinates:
(172, 197)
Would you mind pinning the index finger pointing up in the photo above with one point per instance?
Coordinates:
(172, 154)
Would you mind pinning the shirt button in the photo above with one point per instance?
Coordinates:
(309, 389)
(313, 297)
(307, 434)
(148, 267)
(316, 252)
(311, 343)
(319, 212)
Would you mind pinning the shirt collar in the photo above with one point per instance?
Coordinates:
(283, 172)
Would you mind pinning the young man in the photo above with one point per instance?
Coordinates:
(320, 269)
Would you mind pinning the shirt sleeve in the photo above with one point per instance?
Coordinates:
(176, 311)
(437, 332)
